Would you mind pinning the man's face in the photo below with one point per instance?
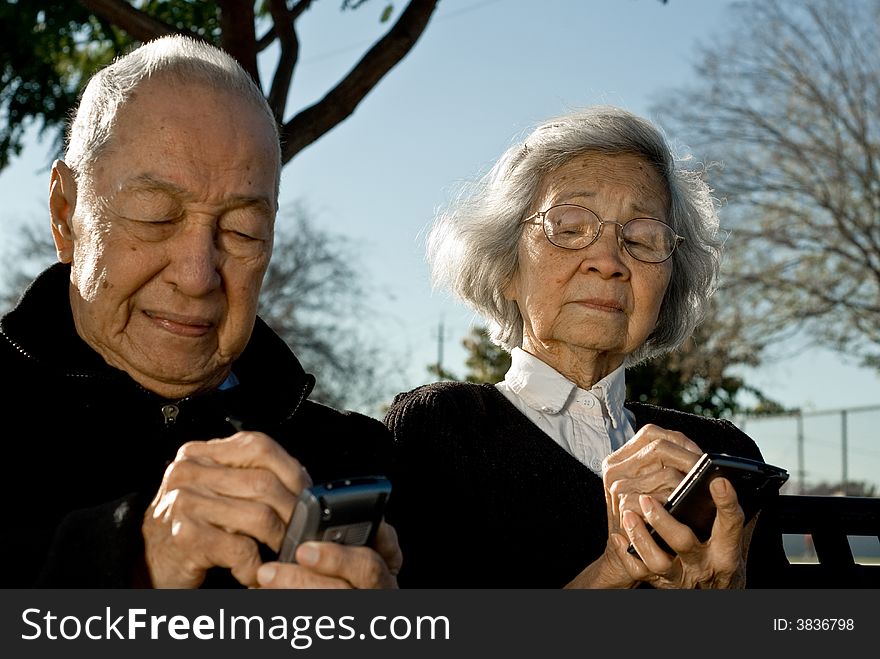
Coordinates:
(170, 236)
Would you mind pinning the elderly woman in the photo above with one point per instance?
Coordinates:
(587, 249)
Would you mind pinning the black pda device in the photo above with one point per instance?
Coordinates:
(347, 511)
(691, 502)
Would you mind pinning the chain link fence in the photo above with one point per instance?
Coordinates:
(834, 452)
(826, 452)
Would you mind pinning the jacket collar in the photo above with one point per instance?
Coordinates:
(41, 328)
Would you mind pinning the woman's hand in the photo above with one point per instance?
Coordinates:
(638, 479)
(717, 563)
(653, 462)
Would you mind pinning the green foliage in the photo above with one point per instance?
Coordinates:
(49, 50)
(355, 4)
(200, 19)
(693, 379)
(441, 373)
(486, 362)
(698, 377)
(665, 383)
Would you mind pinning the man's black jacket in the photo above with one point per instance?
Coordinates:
(85, 447)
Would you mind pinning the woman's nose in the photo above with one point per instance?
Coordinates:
(605, 254)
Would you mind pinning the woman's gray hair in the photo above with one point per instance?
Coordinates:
(472, 247)
(182, 58)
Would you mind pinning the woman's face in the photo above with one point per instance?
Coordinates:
(596, 304)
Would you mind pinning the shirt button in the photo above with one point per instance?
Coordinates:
(589, 402)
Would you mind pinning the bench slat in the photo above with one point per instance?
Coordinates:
(829, 520)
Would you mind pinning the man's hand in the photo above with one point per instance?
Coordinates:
(331, 565)
(217, 500)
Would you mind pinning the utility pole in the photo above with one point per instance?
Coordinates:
(800, 446)
(440, 349)
(845, 475)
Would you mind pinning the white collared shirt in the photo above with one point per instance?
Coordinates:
(229, 382)
(590, 425)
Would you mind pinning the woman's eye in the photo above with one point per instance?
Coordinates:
(568, 227)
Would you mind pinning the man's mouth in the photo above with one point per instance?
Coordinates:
(181, 325)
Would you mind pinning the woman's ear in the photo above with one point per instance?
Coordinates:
(510, 291)
(62, 203)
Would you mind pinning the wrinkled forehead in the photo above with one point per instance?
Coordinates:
(178, 89)
(187, 132)
(586, 175)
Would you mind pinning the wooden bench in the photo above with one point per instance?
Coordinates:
(829, 520)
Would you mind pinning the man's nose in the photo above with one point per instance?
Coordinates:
(194, 259)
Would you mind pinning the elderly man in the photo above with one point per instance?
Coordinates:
(157, 431)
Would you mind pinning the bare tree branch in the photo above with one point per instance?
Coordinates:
(789, 104)
(283, 20)
(237, 34)
(138, 24)
(314, 121)
(312, 277)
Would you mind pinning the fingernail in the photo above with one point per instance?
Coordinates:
(266, 574)
(307, 554)
(719, 487)
(647, 503)
(629, 520)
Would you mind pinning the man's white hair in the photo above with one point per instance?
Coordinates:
(183, 58)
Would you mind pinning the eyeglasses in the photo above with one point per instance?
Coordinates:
(574, 227)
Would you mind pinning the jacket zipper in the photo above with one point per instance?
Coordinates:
(307, 389)
(170, 412)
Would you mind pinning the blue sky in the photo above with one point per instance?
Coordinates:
(482, 74)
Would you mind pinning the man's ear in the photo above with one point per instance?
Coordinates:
(62, 203)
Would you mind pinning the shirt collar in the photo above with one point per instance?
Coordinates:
(546, 390)
(229, 382)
